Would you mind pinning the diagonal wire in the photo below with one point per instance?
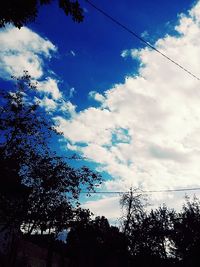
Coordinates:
(141, 39)
(146, 191)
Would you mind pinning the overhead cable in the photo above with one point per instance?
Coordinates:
(141, 39)
(145, 191)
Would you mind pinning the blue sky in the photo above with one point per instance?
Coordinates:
(97, 42)
(134, 115)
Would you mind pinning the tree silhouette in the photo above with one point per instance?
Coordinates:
(148, 233)
(38, 189)
(186, 235)
(96, 243)
(55, 194)
(21, 12)
(133, 206)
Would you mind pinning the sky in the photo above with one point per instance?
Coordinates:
(134, 115)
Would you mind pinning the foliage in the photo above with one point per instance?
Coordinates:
(186, 235)
(38, 189)
(161, 237)
(133, 206)
(96, 243)
(21, 12)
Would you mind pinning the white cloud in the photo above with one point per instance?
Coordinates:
(134, 53)
(23, 50)
(107, 206)
(159, 113)
(96, 96)
(48, 103)
(146, 132)
(50, 86)
(68, 108)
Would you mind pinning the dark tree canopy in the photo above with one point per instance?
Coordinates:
(96, 243)
(186, 235)
(21, 12)
(161, 237)
(38, 188)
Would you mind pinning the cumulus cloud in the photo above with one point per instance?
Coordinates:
(146, 131)
(22, 49)
(158, 112)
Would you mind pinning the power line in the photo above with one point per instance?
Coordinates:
(169, 59)
(141, 39)
(146, 191)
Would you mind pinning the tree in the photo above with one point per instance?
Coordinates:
(53, 202)
(38, 189)
(186, 235)
(133, 204)
(157, 229)
(96, 243)
(147, 232)
(21, 12)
